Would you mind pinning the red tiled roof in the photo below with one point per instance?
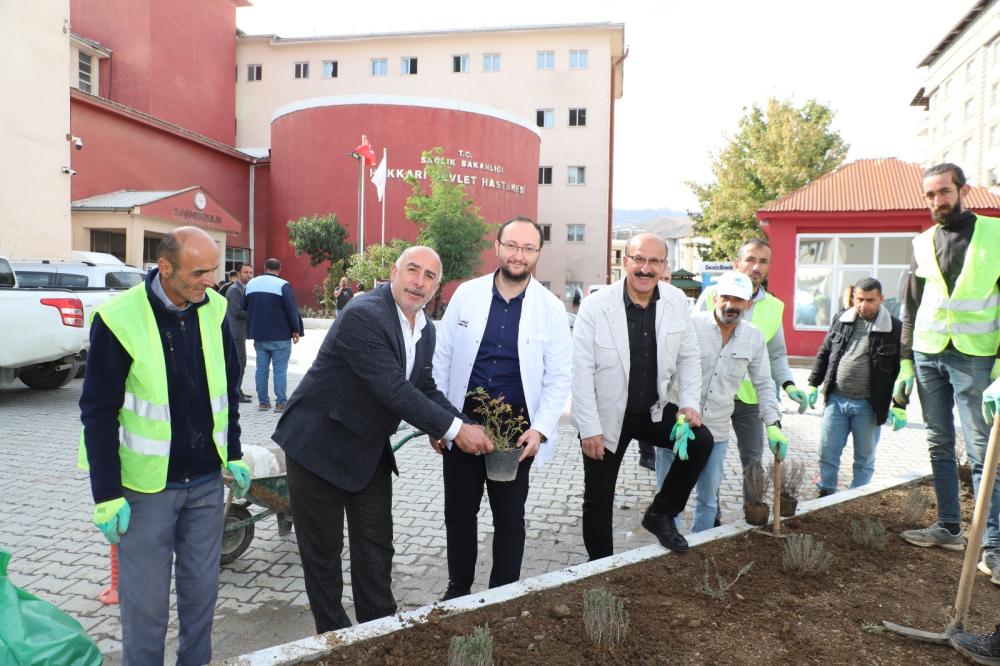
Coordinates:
(869, 185)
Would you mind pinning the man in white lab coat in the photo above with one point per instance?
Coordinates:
(509, 335)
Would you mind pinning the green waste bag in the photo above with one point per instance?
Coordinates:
(33, 631)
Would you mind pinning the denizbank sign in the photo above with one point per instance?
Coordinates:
(466, 170)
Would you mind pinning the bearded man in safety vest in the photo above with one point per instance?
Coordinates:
(160, 421)
(765, 313)
(951, 332)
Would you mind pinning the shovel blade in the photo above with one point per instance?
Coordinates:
(937, 638)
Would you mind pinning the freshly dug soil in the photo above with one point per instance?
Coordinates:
(768, 617)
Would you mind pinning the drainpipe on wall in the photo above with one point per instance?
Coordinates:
(611, 167)
(253, 170)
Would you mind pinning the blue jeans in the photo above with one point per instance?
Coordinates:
(706, 505)
(277, 352)
(942, 381)
(843, 416)
(186, 522)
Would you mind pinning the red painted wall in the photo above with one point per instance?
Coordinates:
(782, 231)
(173, 59)
(311, 172)
(124, 153)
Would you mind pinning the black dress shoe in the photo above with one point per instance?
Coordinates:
(245, 398)
(666, 532)
(454, 592)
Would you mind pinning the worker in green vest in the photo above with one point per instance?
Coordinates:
(754, 260)
(160, 413)
(951, 334)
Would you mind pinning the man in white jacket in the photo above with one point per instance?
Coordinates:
(509, 335)
(633, 343)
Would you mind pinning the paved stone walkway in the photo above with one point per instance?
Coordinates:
(61, 557)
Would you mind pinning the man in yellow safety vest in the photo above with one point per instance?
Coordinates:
(951, 333)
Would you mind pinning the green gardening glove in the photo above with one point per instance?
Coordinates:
(995, 372)
(778, 441)
(680, 434)
(112, 517)
(903, 386)
(241, 477)
(799, 396)
(812, 396)
(897, 418)
(991, 402)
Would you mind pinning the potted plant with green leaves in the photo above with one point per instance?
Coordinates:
(503, 428)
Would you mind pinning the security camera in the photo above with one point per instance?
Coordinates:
(71, 172)
(78, 143)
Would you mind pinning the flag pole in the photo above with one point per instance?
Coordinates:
(361, 204)
(385, 193)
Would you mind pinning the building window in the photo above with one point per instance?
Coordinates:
(544, 175)
(576, 175)
(111, 242)
(329, 69)
(946, 124)
(546, 232)
(380, 66)
(302, 70)
(578, 59)
(970, 71)
(996, 52)
(577, 117)
(995, 136)
(947, 89)
(545, 60)
(236, 255)
(966, 150)
(84, 72)
(544, 117)
(574, 233)
(968, 109)
(827, 264)
(460, 64)
(254, 72)
(572, 290)
(491, 62)
(995, 93)
(408, 65)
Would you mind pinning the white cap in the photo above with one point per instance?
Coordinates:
(734, 283)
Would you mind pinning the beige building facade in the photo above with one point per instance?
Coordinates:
(562, 79)
(34, 130)
(961, 96)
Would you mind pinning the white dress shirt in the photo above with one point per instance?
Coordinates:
(411, 336)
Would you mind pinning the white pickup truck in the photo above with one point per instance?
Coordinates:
(44, 332)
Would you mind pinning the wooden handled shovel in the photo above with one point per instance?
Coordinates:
(973, 546)
(776, 525)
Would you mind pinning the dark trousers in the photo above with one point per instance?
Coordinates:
(464, 476)
(318, 509)
(241, 353)
(601, 476)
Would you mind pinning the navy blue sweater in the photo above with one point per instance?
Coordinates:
(192, 453)
(272, 314)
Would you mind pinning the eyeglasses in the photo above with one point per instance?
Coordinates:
(652, 262)
(526, 250)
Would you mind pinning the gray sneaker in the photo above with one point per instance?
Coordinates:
(935, 535)
(989, 564)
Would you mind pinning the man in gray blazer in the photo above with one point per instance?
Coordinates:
(237, 318)
(373, 370)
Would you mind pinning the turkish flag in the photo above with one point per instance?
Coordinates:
(366, 151)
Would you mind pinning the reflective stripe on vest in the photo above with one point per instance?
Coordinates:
(144, 418)
(766, 315)
(970, 316)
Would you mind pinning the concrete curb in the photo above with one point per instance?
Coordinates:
(316, 323)
(316, 647)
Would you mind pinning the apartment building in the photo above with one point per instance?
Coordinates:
(561, 80)
(961, 96)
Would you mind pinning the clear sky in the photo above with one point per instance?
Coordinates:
(694, 66)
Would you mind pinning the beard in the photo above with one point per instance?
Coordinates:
(511, 277)
(951, 216)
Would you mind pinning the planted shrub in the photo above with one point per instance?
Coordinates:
(714, 584)
(475, 649)
(604, 617)
(755, 509)
(804, 556)
(869, 533)
(792, 474)
(915, 506)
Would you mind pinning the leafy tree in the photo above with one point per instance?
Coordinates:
(448, 218)
(777, 150)
(321, 237)
(375, 263)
